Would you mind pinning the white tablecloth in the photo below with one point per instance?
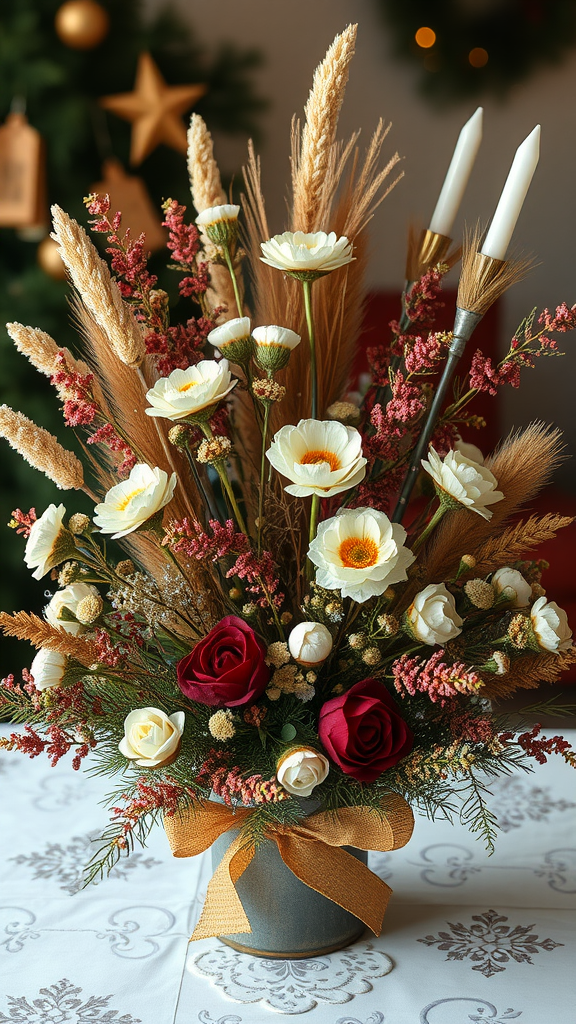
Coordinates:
(466, 937)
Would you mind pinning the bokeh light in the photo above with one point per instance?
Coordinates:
(478, 57)
(425, 37)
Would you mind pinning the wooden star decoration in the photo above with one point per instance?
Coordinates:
(154, 109)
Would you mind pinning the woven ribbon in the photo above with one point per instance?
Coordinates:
(312, 850)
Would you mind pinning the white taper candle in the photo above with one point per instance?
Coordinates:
(513, 195)
(457, 175)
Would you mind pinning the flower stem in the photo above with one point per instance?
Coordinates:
(314, 512)
(232, 272)
(431, 526)
(307, 288)
(226, 483)
(262, 476)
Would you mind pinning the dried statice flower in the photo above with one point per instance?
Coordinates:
(268, 390)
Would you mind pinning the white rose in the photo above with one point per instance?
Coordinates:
(310, 643)
(186, 392)
(68, 598)
(297, 251)
(319, 457)
(465, 481)
(360, 553)
(550, 625)
(151, 738)
(49, 543)
(432, 615)
(47, 669)
(301, 770)
(128, 505)
(510, 579)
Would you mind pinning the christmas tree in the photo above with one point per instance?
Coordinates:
(56, 62)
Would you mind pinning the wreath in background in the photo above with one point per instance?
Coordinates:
(467, 47)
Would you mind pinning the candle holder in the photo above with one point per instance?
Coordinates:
(425, 249)
(482, 280)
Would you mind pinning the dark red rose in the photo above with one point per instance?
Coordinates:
(227, 667)
(363, 731)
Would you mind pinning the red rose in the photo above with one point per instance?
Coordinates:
(363, 731)
(227, 667)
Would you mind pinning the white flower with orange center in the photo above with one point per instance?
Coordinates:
(319, 457)
(187, 392)
(128, 505)
(49, 542)
(360, 553)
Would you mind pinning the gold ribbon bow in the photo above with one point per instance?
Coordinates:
(312, 850)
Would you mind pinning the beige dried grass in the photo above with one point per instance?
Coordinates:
(529, 672)
(41, 450)
(27, 626)
(205, 182)
(482, 281)
(99, 292)
(513, 543)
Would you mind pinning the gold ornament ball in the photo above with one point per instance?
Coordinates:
(81, 24)
(49, 259)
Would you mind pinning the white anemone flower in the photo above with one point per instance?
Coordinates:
(216, 214)
(550, 625)
(47, 669)
(298, 252)
(187, 392)
(129, 504)
(231, 332)
(518, 590)
(69, 598)
(360, 553)
(469, 451)
(276, 337)
(319, 456)
(49, 542)
(464, 480)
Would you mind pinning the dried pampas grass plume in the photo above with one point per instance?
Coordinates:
(41, 450)
(99, 292)
(313, 152)
(205, 183)
(529, 672)
(27, 626)
(38, 347)
(482, 279)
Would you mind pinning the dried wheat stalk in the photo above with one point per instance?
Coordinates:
(27, 626)
(41, 450)
(529, 672)
(100, 293)
(516, 540)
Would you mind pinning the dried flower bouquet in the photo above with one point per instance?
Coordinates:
(269, 632)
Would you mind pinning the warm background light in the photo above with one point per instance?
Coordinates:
(425, 37)
(478, 57)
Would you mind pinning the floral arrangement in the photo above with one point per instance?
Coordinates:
(271, 630)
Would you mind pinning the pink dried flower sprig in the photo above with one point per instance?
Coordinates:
(438, 680)
(75, 392)
(23, 522)
(108, 436)
(190, 539)
(232, 788)
(540, 747)
(261, 576)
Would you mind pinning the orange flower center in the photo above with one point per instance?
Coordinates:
(128, 498)
(190, 384)
(314, 458)
(358, 552)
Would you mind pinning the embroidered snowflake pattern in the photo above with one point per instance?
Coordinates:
(490, 943)
(61, 1003)
(516, 802)
(65, 864)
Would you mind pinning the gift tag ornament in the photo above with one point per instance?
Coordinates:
(81, 24)
(130, 195)
(22, 174)
(155, 110)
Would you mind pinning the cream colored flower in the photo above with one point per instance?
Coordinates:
(463, 480)
(151, 738)
(310, 643)
(518, 589)
(360, 553)
(129, 504)
(273, 336)
(469, 451)
(49, 542)
(432, 616)
(187, 392)
(300, 770)
(47, 668)
(319, 457)
(217, 214)
(233, 339)
(297, 252)
(550, 625)
(68, 599)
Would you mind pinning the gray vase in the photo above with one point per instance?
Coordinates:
(288, 919)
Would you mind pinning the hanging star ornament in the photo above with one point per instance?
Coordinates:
(154, 109)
